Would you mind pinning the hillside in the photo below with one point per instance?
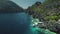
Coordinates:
(9, 7)
(48, 12)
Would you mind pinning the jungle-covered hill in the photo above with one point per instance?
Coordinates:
(48, 11)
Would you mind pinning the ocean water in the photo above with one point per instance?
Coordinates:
(14, 23)
(18, 23)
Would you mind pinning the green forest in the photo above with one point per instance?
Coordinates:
(48, 11)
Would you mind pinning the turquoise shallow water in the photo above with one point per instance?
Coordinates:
(41, 31)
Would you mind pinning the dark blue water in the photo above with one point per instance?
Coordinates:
(18, 23)
(14, 23)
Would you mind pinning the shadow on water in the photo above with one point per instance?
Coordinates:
(14, 23)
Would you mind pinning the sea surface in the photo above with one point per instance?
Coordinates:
(18, 23)
(14, 23)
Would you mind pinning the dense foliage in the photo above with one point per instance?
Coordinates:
(48, 11)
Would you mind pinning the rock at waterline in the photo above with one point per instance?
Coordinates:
(37, 30)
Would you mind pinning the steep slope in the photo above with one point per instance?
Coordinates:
(9, 7)
(47, 12)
